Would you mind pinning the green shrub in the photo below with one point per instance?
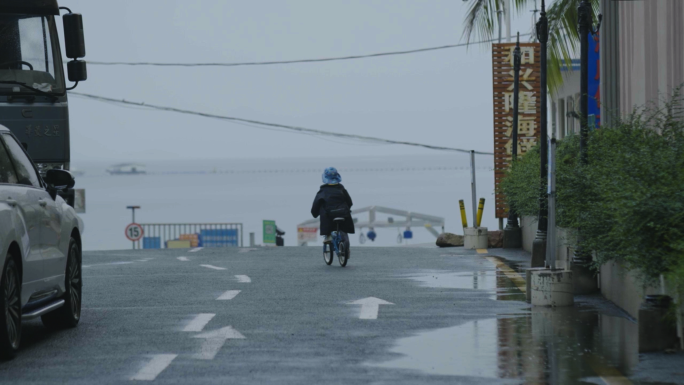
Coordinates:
(628, 202)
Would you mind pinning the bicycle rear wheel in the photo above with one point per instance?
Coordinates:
(328, 253)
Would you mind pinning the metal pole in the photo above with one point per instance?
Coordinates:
(539, 244)
(507, 4)
(551, 238)
(500, 26)
(512, 215)
(584, 15)
(512, 232)
(472, 185)
(584, 279)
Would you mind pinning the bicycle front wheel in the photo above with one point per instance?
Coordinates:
(328, 253)
(343, 255)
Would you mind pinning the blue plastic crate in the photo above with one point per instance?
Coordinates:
(151, 242)
(218, 238)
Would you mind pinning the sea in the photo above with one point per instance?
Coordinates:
(249, 191)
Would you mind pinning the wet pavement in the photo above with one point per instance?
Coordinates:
(445, 316)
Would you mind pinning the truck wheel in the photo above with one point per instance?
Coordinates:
(10, 305)
(68, 315)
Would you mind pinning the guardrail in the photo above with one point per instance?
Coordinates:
(187, 235)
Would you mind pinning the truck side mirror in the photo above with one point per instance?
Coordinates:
(73, 35)
(77, 70)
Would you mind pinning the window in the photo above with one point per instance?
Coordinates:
(554, 133)
(7, 174)
(28, 52)
(577, 125)
(561, 118)
(26, 173)
(570, 125)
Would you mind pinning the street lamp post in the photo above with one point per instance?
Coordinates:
(584, 279)
(512, 233)
(584, 16)
(539, 244)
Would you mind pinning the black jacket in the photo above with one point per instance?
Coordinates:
(333, 197)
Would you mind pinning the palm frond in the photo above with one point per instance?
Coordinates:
(482, 19)
(564, 38)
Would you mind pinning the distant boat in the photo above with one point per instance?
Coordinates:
(127, 169)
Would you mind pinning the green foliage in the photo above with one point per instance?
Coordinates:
(522, 182)
(628, 202)
(563, 46)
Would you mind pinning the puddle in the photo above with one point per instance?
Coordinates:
(561, 345)
(495, 282)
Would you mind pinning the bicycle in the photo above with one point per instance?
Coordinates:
(339, 246)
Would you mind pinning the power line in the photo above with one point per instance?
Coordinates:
(353, 57)
(272, 126)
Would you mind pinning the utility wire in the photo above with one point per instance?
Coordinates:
(419, 50)
(267, 125)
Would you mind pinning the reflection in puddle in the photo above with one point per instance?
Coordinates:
(495, 282)
(545, 345)
(548, 345)
(466, 350)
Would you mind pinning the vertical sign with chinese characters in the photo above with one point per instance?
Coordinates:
(528, 108)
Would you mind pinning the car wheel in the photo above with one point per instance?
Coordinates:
(68, 315)
(10, 304)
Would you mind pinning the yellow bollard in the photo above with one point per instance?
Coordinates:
(464, 219)
(480, 209)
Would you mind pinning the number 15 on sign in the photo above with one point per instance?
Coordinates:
(134, 232)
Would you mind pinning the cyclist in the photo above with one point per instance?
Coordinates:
(333, 201)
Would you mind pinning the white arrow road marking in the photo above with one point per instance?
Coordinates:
(214, 341)
(157, 364)
(369, 307)
(243, 279)
(184, 259)
(199, 322)
(230, 294)
(196, 249)
(213, 267)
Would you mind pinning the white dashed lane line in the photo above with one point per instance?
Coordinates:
(196, 249)
(243, 279)
(152, 369)
(230, 294)
(184, 259)
(213, 267)
(116, 263)
(199, 322)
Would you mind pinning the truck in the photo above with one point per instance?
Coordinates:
(33, 91)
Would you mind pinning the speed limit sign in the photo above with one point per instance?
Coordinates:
(134, 232)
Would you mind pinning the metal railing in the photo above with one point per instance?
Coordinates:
(185, 235)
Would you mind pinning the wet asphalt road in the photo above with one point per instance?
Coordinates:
(290, 322)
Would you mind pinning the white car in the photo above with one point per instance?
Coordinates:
(40, 246)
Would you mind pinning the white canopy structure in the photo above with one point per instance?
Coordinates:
(307, 231)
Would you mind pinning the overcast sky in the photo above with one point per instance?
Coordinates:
(440, 97)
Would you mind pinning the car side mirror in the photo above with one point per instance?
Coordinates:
(60, 179)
